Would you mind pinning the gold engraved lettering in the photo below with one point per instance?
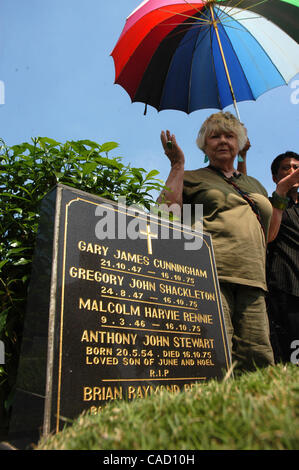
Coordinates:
(170, 353)
(96, 360)
(187, 362)
(143, 391)
(201, 294)
(175, 290)
(92, 248)
(161, 313)
(142, 284)
(139, 392)
(95, 410)
(186, 292)
(189, 387)
(158, 373)
(187, 342)
(135, 257)
(204, 362)
(156, 340)
(108, 337)
(197, 318)
(131, 361)
(102, 393)
(97, 276)
(99, 351)
(111, 307)
(165, 361)
(179, 268)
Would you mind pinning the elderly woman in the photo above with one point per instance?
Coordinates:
(237, 214)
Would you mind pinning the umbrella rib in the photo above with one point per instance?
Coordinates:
(197, 43)
(224, 11)
(182, 14)
(196, 25)
(177, 24)
(234, 27)
(199, 11)
(231, 7)
(190, 79)
(243, 9)
(248, 32)
(185, 30)
(224, 8)
(201, 39)
(224, 63)
(272, 40)
(169, 66)
(240, 19)
(278, 47)
(214, 69)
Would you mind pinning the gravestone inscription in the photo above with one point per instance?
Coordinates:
(119, 308)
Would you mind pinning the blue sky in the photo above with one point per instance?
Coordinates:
(58, 80)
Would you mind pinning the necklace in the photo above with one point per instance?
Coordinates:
(226, 174)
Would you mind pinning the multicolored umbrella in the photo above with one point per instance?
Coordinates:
(176, 54)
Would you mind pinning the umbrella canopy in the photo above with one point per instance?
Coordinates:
(176, 54)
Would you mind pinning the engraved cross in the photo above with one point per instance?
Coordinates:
(149, 238)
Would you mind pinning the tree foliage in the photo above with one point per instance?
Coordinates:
(27, 173)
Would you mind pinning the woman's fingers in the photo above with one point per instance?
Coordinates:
(171, 148)
(166, 138)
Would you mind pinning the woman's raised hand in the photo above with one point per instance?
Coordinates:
(172, 149)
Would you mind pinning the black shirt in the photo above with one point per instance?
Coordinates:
(283, 253)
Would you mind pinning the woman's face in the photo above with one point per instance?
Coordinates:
(221, 145)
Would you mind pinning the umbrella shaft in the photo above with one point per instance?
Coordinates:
(224, 62)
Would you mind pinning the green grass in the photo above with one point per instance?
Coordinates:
(256, 411)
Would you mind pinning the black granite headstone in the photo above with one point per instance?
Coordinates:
(118, 308)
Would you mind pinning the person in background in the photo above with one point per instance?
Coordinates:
(237, 214)
(283, 258)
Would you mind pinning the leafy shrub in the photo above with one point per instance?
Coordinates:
(27, 173)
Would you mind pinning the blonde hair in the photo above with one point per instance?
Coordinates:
(225, 122)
